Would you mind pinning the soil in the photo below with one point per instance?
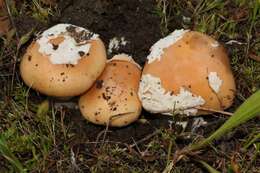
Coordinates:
(134, 20)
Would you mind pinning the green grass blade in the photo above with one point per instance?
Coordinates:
(255, 138)
(248, 110)
(25, 38)
(8, 155)
(208, 167)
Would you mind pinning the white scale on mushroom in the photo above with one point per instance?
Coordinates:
(68, 50)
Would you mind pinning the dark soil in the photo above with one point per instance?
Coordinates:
(135, 20)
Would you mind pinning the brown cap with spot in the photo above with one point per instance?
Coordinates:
(64, 61)
(192, 70)
(114, 97)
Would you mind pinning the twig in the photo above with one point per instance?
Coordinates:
(107, 126)
(143, 139)
(99, 135)
(106, 130)
(214, 110)
(136, 145)
(17, 39)
(178, 155)
(199, 108)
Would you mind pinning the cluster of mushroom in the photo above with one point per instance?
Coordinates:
(67, 60)
(185, 71)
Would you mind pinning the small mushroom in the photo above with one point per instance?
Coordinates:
(113, 100)
(63, 61)
(184, 71)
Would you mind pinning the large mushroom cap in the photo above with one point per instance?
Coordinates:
(63, 61)
(186, 70)
(114, 97)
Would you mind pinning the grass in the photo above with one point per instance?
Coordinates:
(36, 136)
(248, 110)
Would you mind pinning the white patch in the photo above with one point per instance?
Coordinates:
(123, 41)
(158, 48)
(186, 19)
(197, 123)
(124, 57)
(214, 81)
(215, 44)
(67, 52)
(183, 124)
(230, 42)
(115, 43)
(73, 159)
(157, 100)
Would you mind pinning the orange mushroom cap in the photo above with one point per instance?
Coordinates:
(186, 70)
(114, 99)
(64, 61)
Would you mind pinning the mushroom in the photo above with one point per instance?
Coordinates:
(64, 61)
(113, 100)
(185, 71)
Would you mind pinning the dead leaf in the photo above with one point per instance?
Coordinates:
(234, 165)
(148, 157)
(4, 20)
(1, 3)
(254, 57)
(240, 14)
(4, 25)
